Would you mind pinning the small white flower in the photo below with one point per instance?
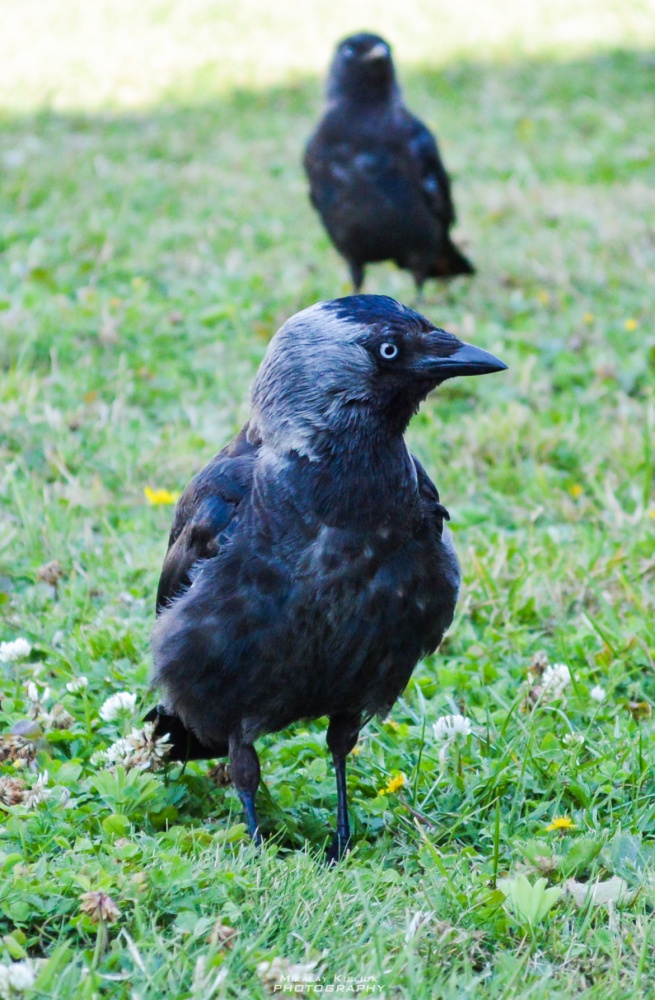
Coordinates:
(38, 793)
(141, 750)
(121, 702)
(77, 684)
(573, 740)
(118, 752)
(447, 730)
(449, 727)
(16, 978)
(16, 650)
(58, 718)
(598, 693)
(555, 680)
(35, 696)
(21, 976)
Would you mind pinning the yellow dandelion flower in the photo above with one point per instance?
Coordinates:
(159, 497)
(543, 296)
(356, 751)
(576, 490)
(651, 513)
(631, 324)
(561, 823)
(394, 784)
(588, 318)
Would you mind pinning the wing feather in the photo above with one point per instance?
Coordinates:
(206, 512)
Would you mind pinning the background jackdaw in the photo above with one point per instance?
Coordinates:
(375, 173)
(309, 567)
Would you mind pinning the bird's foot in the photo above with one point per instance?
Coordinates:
(338, 848)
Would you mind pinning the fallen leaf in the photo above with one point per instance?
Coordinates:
(599, 893)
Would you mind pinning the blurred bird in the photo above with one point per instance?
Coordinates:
(375, 174)
(308, 566)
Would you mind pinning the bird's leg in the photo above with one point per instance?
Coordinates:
(341, 738)
(419, 275)
(245, 773)
(356, 275)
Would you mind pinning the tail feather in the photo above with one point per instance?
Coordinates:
(183, 744)
(450, 262)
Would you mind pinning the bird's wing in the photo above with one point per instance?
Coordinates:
(328, 166)
(205, 513)
(430, 496)
(435, 182)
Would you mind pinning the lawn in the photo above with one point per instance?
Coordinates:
(155, 232)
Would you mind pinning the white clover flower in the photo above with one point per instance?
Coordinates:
(77, 684)
(38, 793)
(598, 693)
(58, 718)
(21, 976)
(34, 695)
(100, 907)
(449, 727)
(555, 680)
(11, 790)
(16, 650)
(141, 750)
(16, 978)
(117, 704)
(448, 730)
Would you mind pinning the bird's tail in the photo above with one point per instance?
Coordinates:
(183, 744)
(450, 262)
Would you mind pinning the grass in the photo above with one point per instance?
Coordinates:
(155, 232)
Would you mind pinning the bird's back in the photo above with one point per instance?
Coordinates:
(366, 184)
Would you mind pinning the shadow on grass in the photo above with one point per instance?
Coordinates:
(208, 202)
(544, 106)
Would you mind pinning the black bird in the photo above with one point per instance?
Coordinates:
(308, 567)
(375, 174)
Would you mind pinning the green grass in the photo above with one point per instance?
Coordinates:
(155, 231)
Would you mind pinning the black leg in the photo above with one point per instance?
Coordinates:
(341, 842)
(341, 738)
(356, 275)
(245, 771)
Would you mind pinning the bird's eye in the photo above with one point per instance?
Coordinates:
(347, 52)
(388, 351)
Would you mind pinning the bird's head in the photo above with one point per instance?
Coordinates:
(350, 367)
(362, 69)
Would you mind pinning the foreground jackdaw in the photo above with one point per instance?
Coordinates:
(308, 567)
(375, 174)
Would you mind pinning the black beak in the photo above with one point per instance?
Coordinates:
(466, 360)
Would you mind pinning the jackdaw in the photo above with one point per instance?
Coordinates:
(375, 174)
(308, 567)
